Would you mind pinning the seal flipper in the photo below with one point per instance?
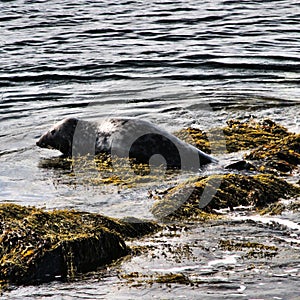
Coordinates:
(206, 159)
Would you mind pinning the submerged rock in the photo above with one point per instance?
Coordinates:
(249, 249)
(226, 191)
(40, 246)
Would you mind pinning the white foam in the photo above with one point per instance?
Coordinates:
(176, 269)
(226, 260)
(267, 220)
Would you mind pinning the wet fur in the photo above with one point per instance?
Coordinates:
(134, 138)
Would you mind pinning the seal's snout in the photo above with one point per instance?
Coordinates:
(41, 143)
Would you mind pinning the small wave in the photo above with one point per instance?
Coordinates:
(58, 77)
(189, 21)
(9, 18)
(8, 152)
(268, 220)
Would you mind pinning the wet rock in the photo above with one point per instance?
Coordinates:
(282, 156)
(279, 208)
(138, 279)
(241, 165)
(235, 136)
(223, 191)
(273, 149)
(249, 249)
(178, 278)
(40, 246)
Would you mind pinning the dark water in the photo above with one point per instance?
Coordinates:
(176, 63)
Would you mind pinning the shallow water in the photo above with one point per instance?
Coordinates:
(176, 64)
(194, 251)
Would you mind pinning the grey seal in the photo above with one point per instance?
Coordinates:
(134, 138)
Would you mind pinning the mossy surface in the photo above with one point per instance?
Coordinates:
(103, 169)
(40, 246)
(279, 207)
(236, 136)
(250, 249)
(273, 148)
(282, 155)
(139, 279)
(226, 191)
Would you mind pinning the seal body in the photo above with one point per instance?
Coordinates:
(135, 139)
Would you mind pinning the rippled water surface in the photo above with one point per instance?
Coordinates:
(175, 63)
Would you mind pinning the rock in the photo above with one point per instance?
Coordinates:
(241, 165)
(282, 155)
(236, 136)
(41, 246)
(273, 149)
(226, 190)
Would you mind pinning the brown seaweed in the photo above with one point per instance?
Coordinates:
(40, 246)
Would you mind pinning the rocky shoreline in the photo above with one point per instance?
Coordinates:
(40, 246)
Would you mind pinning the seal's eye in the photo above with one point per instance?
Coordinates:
(52, 131)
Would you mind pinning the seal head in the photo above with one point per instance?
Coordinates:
(60, 136)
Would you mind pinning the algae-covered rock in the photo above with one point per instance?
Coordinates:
(249, 249)
(279, 207)
(225, 191)
(40, 246)
(280, 155)
(138, 279)
(274, 149)
(237, 135)
(173, 278)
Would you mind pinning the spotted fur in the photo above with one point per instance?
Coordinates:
(130, 138)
